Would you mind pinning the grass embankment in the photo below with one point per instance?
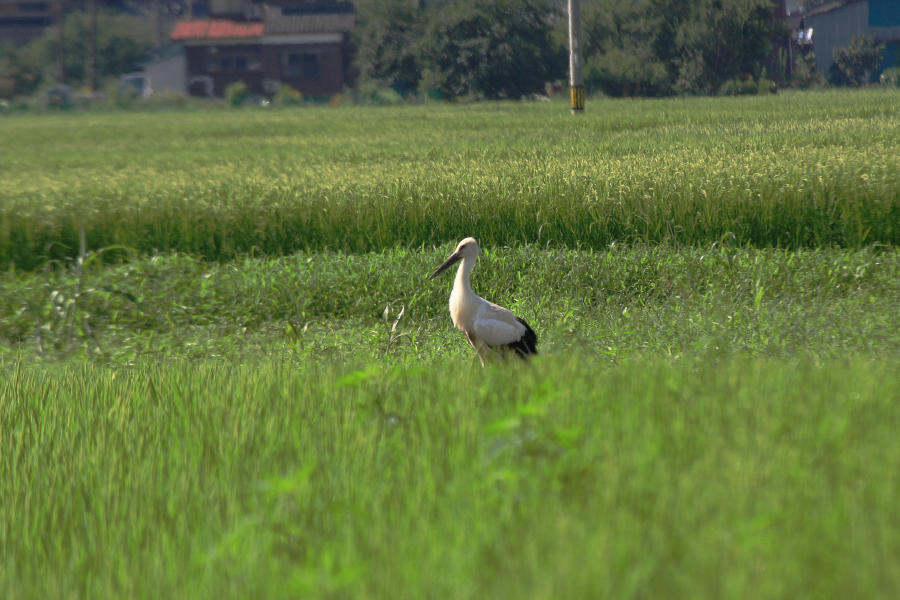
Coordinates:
(795, 171)
(737, 478)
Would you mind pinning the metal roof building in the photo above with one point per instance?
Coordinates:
(835, 23)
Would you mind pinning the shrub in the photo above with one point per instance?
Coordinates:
(7, 87)
(747, 86)
(58, 96)
(120, 95)
(336, 99)
(765, 86)
(371, 93)
(236, 93)
(287, 96)
(167, 99)
(805, 74)
(854, 63)
(891, 77)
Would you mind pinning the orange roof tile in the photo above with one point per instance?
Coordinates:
(200, 29)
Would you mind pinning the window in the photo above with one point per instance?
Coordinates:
(302, 66)
(231, 64)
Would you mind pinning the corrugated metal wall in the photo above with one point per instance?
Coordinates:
(835, 28)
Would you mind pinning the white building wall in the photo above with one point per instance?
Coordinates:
(168, 75)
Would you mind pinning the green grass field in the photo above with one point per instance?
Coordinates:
(792, 171)
(223, 373)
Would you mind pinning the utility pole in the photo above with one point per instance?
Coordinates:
(576, 79)
(92, 45)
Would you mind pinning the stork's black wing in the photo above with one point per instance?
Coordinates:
(525, 345)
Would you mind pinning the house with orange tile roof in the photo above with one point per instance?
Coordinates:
(301, 43)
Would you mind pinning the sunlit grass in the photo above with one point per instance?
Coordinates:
(797, 170)
(569, 478)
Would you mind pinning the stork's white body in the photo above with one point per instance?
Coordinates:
(489, 328)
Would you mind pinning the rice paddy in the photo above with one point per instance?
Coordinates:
(224, 374)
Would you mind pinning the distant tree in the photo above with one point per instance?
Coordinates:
(618, 53)
(658, 47)
(387, 35)
(854, 63)
(711, 41)
(510, 48)
(19, 75)
(121, 46)
(492, 48)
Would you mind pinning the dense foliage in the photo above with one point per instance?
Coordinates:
(855, 63)
(496, 49)
(122, 44)
(509, 48)
(493, 49)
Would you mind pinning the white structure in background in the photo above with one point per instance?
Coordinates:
(167, 72)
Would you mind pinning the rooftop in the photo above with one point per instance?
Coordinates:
(200, 29)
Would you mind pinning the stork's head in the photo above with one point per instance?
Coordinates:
(468, 248)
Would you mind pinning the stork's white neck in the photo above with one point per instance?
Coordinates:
(462, 275)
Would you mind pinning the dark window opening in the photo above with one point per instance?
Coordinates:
(227, 64)
(302, 66)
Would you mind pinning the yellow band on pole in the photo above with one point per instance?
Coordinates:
(577, 95)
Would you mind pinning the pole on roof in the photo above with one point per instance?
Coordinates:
(576, 79)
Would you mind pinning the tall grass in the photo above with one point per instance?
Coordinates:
(798, 170)
(737, 479)
(620, 302)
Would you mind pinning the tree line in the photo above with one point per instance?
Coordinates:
(509, 48)
(459, 49)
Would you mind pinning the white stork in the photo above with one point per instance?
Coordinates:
(487, 326)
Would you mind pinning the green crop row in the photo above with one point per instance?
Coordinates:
(798, 170)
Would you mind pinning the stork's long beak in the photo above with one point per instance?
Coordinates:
(455, 257)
